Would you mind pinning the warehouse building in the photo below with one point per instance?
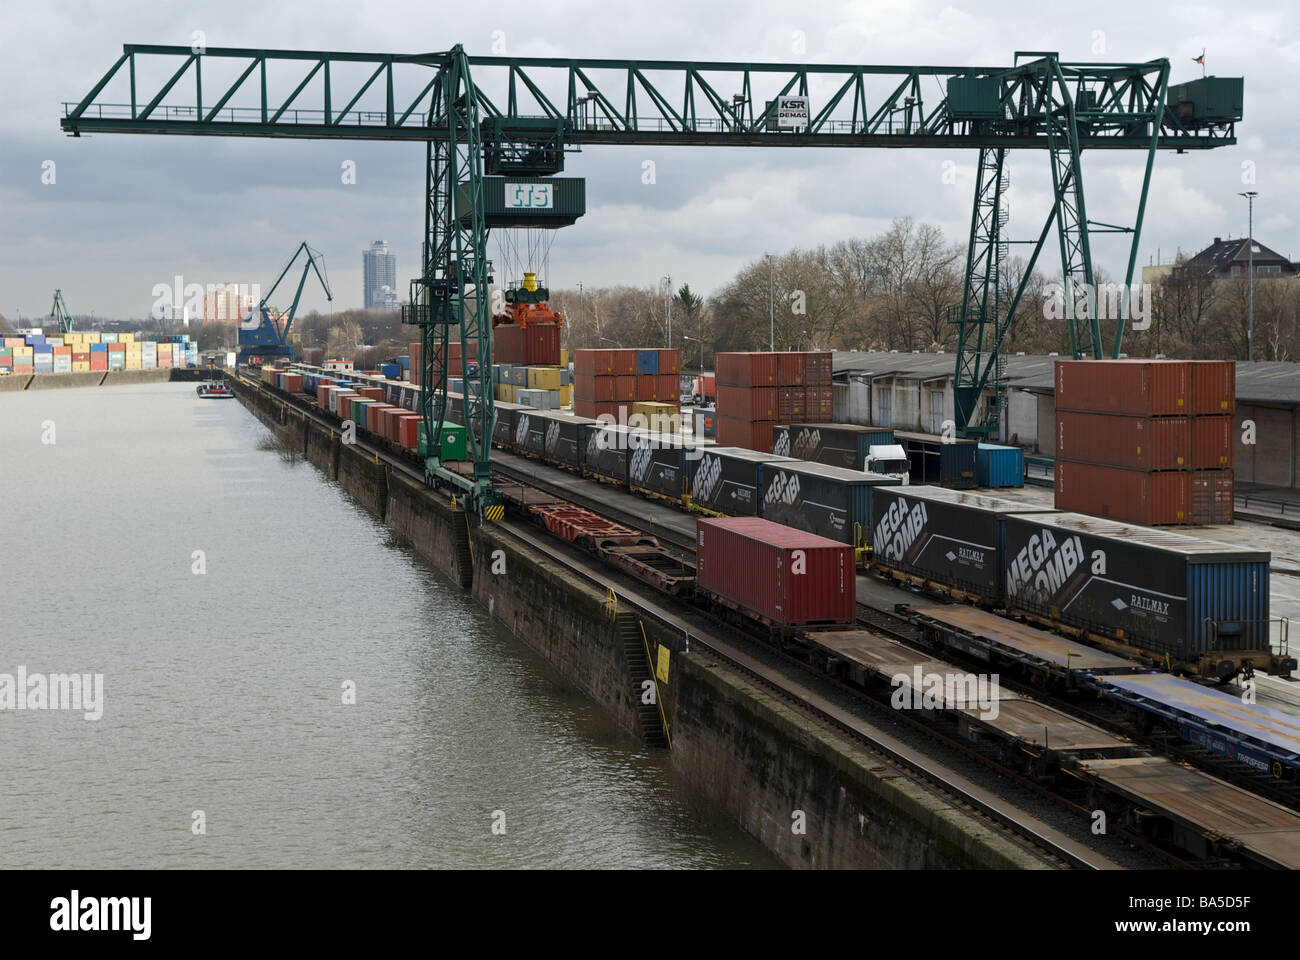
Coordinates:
(913, 391)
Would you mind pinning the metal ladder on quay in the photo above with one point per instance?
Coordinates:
(464, 553)
(653, 724)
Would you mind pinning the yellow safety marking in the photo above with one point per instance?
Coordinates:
(496, 512)
(611, 603)
(661, 670)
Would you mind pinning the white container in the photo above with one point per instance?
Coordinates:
(149, 349)
(148, 361)
(63, 364)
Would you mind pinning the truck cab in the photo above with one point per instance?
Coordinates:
(889, 460)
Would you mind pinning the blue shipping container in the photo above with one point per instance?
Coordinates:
(1000, 466)
(940, 461)
(647, 362)
(99, 348)
(392, 371)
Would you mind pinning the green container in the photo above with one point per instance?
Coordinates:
(560, 202)
(975, 98)
(117, 360)
(454, 445)
(1207, 100)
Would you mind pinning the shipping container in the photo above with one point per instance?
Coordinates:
(662, 465)
(1139, 388)
(668, 388)
(647, 363)
(782, 576)
(839, 444)
(599, 389)
(408, 430)
(818, 368)
(747, 403)
(1201, 497)
(791, 369)
(755, 435)
(605, 454)
(504, 418)
(593, 409)
(625, 389)
(820, 404)
(1136, 443)
(1213, 495)
(704, 422)
(670, 362)
(1152, 589)
(952, 537)
(594, 363)
(790, 403)
(1214, 387)
(728, 480)
(997, 466)
(940, 461)
(829, 501)
(646, 386)
(1213, 443)
(625, 362)
(531, 344)
(746, 369)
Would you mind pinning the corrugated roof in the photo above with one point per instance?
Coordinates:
(1264, 381)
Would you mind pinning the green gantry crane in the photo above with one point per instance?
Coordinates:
(485, 119)
(59, 313)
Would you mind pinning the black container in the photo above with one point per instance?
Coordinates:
(565, 437)
(838, 444)
(660, 465)
(941, 461)
(822, 499)
(605, 453)
(728, 480)
(504, 424)
(1152, 589)
(530, 432)
(947, 536)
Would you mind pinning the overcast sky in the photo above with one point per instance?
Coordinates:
(128, 212)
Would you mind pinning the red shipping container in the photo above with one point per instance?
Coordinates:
(1135, 443)
(819, 407)
(669, 387)
(790, 369)
(536, 344)
(790, 403)
(415, 352)
(292, 381)
(817, 369)
(746, 369)
(1213, 443)
(747, 403)
(374, 417)
(599, 389)
(646, 386)
(592, 410)
(1139, 388)
(410, 431)
(81, 358)
(63, 351)
(670, 361)
(593, 363)
(1214, 386)
(783, 576)
(95, 363)
(1133, 496)
(625, 363)
(752, 435)
(625, 389)
(116, 348)
(371, 393)
(322, 395)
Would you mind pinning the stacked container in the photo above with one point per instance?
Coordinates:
(757, 390)
(1146, 441)
(621, 383)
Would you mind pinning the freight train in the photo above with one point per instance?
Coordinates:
(1176, 601)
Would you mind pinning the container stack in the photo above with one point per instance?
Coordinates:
(1146, 441)
(758, 390)
(625, 383)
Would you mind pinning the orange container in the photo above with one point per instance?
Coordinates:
(592, 409)
(790, 403)
(597, 389)
(593, 363)
(819, 405)
(670, 361)
(646, 385)
(409, 430)
(746, 369)
(669, 387)
(625, 363)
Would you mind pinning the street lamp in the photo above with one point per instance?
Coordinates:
(1250, 196)
(668, 301)
(771, 305)
(701, 343)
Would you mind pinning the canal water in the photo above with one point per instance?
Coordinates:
(233, 600)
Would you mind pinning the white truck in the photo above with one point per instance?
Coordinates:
(889, 460)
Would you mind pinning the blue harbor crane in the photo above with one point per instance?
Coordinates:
(494, 125)
(264, 336)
